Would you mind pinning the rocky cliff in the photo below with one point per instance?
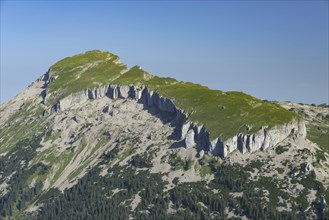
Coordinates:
(192, 134)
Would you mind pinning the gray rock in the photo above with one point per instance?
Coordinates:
(45, 113)
(305, 168)
(107, 133)
(123, 91)
(201, 154)
(150, 136)
(76, 119)
(185, 128)
(106, 109)
(113, 112)
(260, 140)
(322, 204)
(21, 106)
(189, 140)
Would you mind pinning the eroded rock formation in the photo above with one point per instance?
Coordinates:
(192, 134)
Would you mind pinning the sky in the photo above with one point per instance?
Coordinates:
(274, 50)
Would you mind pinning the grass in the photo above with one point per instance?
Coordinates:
(65, 159)
(223, 113)
(83, 71)
(48, 155)
(126, 152)
(39, 175)
(211, 162)
(134, 76)
(280, 170)
(87, 161)
(207, 165)
(18, 131)
(205, 170)
(320, 156)
(319, 134)
(202, 104)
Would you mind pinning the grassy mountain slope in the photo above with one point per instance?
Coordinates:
(111, 159)
(223, 113)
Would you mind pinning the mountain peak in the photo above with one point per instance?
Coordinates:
(82, 71)
(95, 68)
(92, 136)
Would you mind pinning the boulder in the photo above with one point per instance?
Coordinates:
(76, 119)
(107, 133)
(305, 168)
(106, 109)
(201, 154)
(45, 113)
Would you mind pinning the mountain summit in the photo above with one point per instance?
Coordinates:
(94, 139)
(224, 115)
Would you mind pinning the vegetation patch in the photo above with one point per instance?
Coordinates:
(319, 154)
(319, 134)
(254, 164)
(141, 161)
(205, 170)
(309, 182)
(20, 193)
(176, 162)
(126, 152)
(280, 170)
(281, 149)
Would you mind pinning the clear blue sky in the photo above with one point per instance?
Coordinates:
(276, 50)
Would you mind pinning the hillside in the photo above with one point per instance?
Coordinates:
(92, 139)
(223, 114)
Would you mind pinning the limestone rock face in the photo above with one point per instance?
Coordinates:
(135, 92)
(189, 140)
(123, 91)
(112, 92)
(261, 140)
(192, 134)
(185, 129)
(68, 101)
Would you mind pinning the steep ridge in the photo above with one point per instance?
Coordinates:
(217, 122)
(233, 109)
(190, 133)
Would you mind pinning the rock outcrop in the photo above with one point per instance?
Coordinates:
(189, 139)
(305, 168)
(261, 140)
(193, 135)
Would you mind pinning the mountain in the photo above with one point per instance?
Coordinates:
(93, 139)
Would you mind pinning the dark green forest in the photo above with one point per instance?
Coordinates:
(93, 196)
